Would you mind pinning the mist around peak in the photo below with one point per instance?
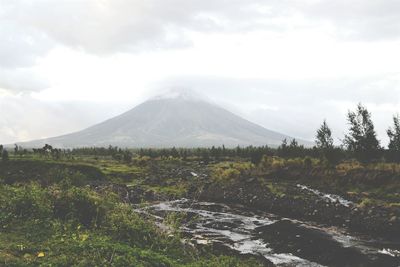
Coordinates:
(182, 93)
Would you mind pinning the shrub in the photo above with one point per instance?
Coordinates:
(141, 161)
(65, 177)
(272, 163)
(294, 163)
(81, 205)
(307, 162)
(228, 172)
(25, 202)
(367, 202)
(126, 225)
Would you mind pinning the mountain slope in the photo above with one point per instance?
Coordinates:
(165, 122)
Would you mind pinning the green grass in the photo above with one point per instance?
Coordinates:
(173, 191)
(229, 172)
(63, 222)
(46, 206)
(277, 189)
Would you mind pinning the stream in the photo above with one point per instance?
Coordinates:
(279, 241)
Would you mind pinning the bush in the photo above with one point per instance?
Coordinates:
(228, 172)
(126, 225)
(65, 177)
(333, 156)
(81, 205)
(142, 160)
(307, 163)
(367, 202)
(25, 202)
(295, 163)
(272, 163)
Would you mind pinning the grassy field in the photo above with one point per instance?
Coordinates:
(67, 212)
(50, 216)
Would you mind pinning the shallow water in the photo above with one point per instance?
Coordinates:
(327, 197)
(282, 241)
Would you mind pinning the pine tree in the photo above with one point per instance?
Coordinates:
(324, 142)
(324, 138)
(362, 140)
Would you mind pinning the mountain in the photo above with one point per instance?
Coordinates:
(176, 119)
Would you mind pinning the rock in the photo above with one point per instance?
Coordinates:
(393, 219)
(250, 180)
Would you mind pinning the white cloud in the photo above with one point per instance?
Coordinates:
(24, 118)
(277, 61)
(372, 20)
(22, 80)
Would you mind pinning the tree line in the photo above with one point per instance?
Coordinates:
(361, 141)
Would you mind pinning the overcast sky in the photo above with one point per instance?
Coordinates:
(285, 64)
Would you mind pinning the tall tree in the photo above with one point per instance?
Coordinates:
(294, 143)
(394, 139)
(361, 139)
(325, 146)
(324, 138)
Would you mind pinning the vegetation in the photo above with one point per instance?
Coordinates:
(67, 224)
(324, 143)
(4, 155)
(362, 140)
(227, 172)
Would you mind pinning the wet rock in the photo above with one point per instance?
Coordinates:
(317, 246)
(250, 180)
(309, 206)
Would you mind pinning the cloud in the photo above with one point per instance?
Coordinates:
(29, 30)
(111, 26)
(21, 80)
(372, 20)
(21, 45)
(378, 89)
(24, 118)
(297, 107)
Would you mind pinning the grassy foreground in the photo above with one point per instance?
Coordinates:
(68, 212)
(55, 219)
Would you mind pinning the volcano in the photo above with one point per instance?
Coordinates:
(178, 119)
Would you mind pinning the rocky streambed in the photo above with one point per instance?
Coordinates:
(284, 222)
(308, 204)
(278, 240)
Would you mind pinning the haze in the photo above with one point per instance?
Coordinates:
(286, 65)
